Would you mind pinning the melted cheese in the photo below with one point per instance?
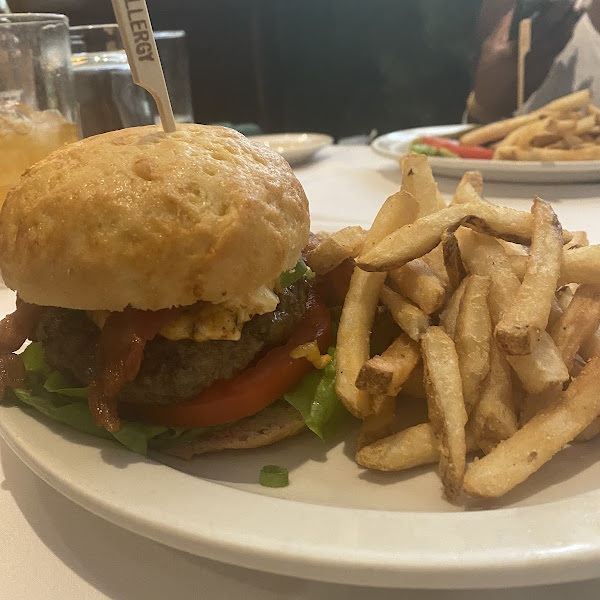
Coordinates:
(206, 321)
(311, 352)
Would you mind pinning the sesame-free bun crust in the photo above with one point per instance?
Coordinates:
(152, 220)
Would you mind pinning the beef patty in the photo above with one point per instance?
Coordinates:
(171, 370)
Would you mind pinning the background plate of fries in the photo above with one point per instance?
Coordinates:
(393, 145)
(474, 460)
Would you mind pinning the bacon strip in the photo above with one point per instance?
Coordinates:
(119, 356)
(18, 326)
(15, 328)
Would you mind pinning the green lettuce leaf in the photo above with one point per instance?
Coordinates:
(316, 400)
(421, 148)
(34, 361)
(55, 396)
(300, 270)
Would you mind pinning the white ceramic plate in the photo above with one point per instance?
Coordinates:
(335, 522)
(296, 148)
(395, 144)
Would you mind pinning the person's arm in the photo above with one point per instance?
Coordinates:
(495, 83)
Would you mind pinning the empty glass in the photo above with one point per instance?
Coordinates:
(37, 104)
(108, 98)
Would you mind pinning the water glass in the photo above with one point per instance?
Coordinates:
(108, 98)
(37, 103)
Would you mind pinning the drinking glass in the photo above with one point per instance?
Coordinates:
(108, 98)
(37, 104)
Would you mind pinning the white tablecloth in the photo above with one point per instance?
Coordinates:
(52, 549)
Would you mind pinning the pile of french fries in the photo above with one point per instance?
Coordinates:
(496, 351)
(565, 129)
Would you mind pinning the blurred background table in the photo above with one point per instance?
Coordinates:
(55, 550)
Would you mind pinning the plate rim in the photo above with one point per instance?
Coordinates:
(354, 555)
(500, 170)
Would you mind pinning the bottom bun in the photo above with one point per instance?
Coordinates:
(276, 422)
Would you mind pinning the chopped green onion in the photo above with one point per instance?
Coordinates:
(274, 476)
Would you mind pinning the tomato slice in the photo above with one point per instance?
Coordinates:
(458, 148)
(251, 390)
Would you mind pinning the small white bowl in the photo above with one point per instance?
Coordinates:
(294, 147)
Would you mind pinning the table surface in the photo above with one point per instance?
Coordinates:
(53, 549)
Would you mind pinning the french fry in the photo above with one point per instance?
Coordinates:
(449, 315)
(386, 373)
(332, 251)
(506, 266)
(573, 142)
(590, 347)
(545, 139)
(497, 130)
(419, 282)
(548, 432)
(445, 406)
(472, 338)
(522, 324)
(452, 259)
(555, 312)
(585, 124)
(505, 152)
(399, 209)
(416, 239)
(494, 417)
(561, 127)
(412, 447)
(435, 260)
(552, 154)
(578, 323)
(566, 103)
(561, 130)
(360, 305)
(522, 136)
(579, 240)
(581, 265)
(541, 369)
(418, 180)
(411, 318)
(354, 331)
(486, 256)
(564, 295)
(469, 189)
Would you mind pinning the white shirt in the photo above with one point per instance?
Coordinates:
(576, 67)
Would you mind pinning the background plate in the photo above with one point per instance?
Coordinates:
(296, 148)
(395, 144)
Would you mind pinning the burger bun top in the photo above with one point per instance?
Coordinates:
(153, 220)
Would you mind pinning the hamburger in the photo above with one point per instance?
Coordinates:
(161, 279)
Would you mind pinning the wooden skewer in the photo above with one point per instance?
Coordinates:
(523, 49)
(138, 39)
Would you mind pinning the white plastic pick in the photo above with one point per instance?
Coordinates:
(138, 39)
(524, 45)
